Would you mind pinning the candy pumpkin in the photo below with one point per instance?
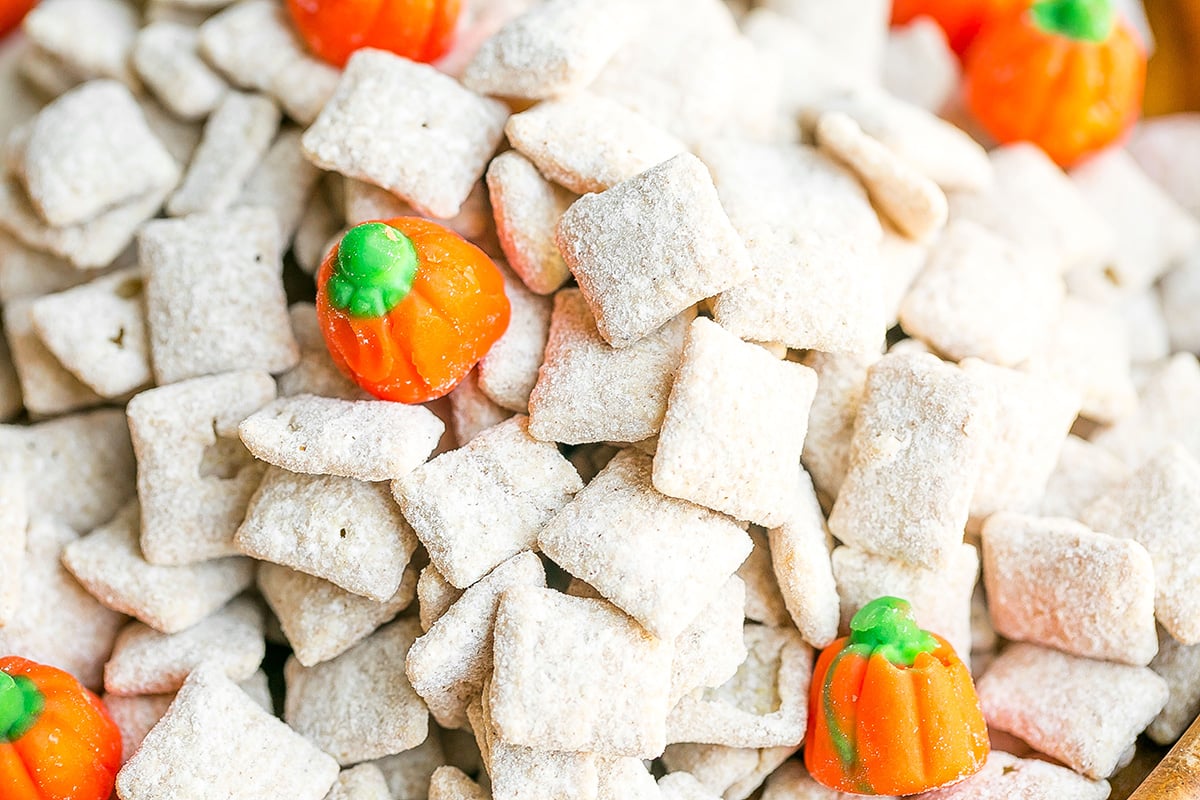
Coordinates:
(960, 19)
(57, 741)
(12, 12)
(892, 709)
(408, 307)
(1067, 75)
(420, 30)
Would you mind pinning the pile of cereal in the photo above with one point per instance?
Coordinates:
(735, 240)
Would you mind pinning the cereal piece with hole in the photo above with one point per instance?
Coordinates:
(1179, 665)
(88, 38)
(57, 622)
(347, 531)
(589, 391)
(659, 559)
(941, 598)
(363, 782)
(451, 783)
(306, 607)
(194, 476)
(913, 202)
(1151, 231)
(841, 380)
(435, 595)
(369, 440)
(1033, 417)
(167, 59)
(447, 666)
(145, 661)
(517, 484)
(508, 372)
(282, 182)
(215, 743)
(1158, 508)
(527, 208)
(919, 67)
(236, 137)
(108, 563)
(408, 128)
(91, 150)
(228, 265)
(355, 707)
(472, 411)
(650, 247)
(710, 649)
(683, 786)
(97, 331)
(1082, 712)
(554, 49)
(812, 238)
(1166, 414)
(576, 674)
(735, 773)
(800, 558)
(764, 705)
(589, 143)
(315, 373)
(751, 410)
(917, 451)
(1083, 474)
(1056, 583)
(764, 603)
(47, 388)
(980, 295)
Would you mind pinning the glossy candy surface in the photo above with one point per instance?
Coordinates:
(960, 19)
(420, 30)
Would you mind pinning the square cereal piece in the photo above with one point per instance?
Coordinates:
(764, 705)
(1033, 417)
(918, 65)
(911, 201)
(108, 563)
(451, 783)
(346, 531)
(650, 247)
(1005, 775)
(447, 666)
(658, 559)
(1158, 508)
(812, 237)
(1084, 473)
(91, 150)
(57, 622)
(47, 388)
(841, 380)
(236, 137)
(792, 782)
(145, 661)
(365, 201)
(683, 786)
(435, 595)
(1151, 230)
(764, 603)
(589, 143)
(734, 773)
(249, 42)
(89, 38)
(135, 717)
(97, 331)
(516, 485)
(356, 707)
(369, 440)
(799, 549)
(979, 295)
(917, 451)
(315, 373)
(553, 49)
(303, 85)
(408, 128)
(1082, 712)
(305, 606)
(711, 648)
(1056, 583)
(26, 272)
(229, 268)
(1179, 665)
(1032, 203)
(363, 782)
(179, 136)
(194, 477)
(167, 59)
(589, 391)
(1166, 413)
(941, 598)
(509, 371)
(577, 674)
(283, 181)
(80, 466)
(750, 411)
(527, 209)
(471, 411)
(14, 522)
(215, 743)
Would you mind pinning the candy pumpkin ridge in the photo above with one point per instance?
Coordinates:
(21, 703)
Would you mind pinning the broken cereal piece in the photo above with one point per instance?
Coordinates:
(711, 648)
(167, 59)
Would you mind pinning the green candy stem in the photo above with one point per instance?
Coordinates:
(886, 626)
(373, 271)
(1081, 20)
(21, 703)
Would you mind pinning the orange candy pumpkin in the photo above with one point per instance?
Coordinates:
(892, 709)
(420, 30)
(960, 19)
(1067, 75)
(57, 741)
(408, 307)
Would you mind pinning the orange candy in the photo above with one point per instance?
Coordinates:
(420, 30)
(960, 19)
(12, 12)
